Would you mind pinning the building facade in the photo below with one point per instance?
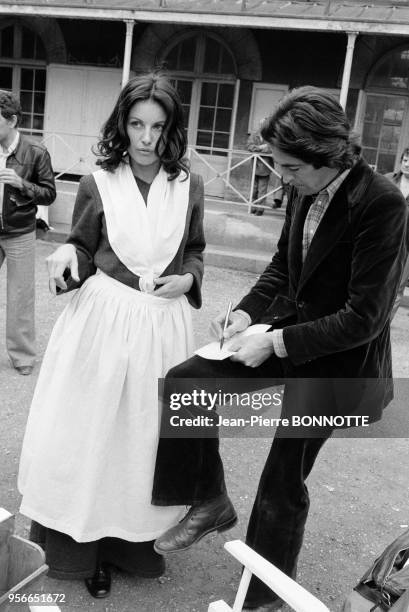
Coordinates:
(231, 63)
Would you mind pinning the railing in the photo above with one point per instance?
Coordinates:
(70, 153)
(228, 174)
(55, 143)
(235, 171)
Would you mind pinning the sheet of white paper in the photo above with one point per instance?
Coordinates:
(212, 350)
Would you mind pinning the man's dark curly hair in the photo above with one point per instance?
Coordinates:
(311, 125)
(10, 105)
(171, 146)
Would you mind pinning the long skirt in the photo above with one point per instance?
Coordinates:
(90, 445)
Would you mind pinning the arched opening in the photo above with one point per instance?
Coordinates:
(204, 73)
(207, 65)
(23, 71)
(386, 119)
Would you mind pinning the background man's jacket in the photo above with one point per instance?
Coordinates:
(32, 162)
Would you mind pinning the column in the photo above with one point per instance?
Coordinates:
(346, 77)
(127, 52)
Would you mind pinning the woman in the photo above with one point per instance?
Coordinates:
(137, 239)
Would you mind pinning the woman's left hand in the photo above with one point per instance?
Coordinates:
(174, 285)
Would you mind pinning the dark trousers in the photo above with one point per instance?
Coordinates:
(260, 189)
(190, 470)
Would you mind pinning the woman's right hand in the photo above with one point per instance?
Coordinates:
(64, 257)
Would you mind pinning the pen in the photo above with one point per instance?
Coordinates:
(226, 322)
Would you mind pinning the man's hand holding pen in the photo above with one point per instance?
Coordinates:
(251, 350)
(236, 323)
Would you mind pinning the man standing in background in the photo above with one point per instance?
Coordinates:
(256, 144)
(401, 180)
(26, 181)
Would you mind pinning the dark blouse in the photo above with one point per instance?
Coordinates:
(143, 187)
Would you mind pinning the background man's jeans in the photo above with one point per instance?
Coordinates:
(20, 327)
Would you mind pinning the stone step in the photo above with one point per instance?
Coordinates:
(243, 260)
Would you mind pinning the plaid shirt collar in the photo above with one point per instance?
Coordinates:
(333, 187)
(318, 209)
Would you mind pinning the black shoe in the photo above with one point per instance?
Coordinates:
(216, 515)
(24, 370)
(260, 212)
(99, 585)
(277, 204)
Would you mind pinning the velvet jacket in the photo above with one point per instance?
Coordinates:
(335, 307)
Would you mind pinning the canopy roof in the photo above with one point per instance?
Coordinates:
(372, 16)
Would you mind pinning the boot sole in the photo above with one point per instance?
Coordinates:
(220, 528)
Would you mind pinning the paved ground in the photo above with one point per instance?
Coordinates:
(359, 487)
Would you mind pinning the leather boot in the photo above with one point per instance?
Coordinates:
(216, 515)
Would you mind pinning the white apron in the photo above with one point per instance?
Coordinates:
(90, 445)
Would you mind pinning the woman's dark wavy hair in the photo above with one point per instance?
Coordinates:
(311, 125)
(114, 141)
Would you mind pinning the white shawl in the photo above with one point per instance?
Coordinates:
(144, 237)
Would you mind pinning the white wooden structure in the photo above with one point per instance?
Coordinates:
(79, 101)
(298, 598)
(22, 568)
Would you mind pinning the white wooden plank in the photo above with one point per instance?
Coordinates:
(219, 606)
(79, 100)
(286, 588)
(4, 514)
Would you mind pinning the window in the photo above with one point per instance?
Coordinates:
(22, 70)
(32, 96)
(215, 110)
(205, 75)
(384, 116)
(385, 119)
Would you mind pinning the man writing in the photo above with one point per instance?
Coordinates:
(26, 181)
(327, 294)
